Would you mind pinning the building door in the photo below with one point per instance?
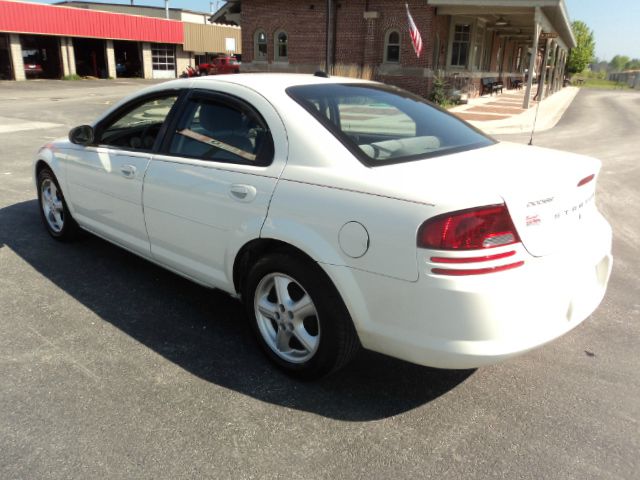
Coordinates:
(6, 69)
(91, 58)
(128, 59)
(163, 60)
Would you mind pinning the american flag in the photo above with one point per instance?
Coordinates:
(416, 39)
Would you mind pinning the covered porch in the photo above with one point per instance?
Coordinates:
(518, 43)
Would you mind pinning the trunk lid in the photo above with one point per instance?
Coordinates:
(539, 186)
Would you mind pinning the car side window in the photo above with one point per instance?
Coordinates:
(137, 128)
(222, 130)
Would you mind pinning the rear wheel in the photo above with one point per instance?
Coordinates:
(298, 316)
(53, 209)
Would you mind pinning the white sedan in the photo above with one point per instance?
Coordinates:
(343, 213)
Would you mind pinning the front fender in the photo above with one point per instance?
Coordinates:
(47, 154)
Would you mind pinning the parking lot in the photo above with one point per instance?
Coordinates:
(111, 367)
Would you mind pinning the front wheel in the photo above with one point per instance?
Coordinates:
(298, 316)
(53, 208)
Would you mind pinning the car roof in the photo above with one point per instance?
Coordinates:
(261, 82)
(270, 85)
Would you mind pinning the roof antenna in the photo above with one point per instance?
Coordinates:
(533, 129)
(321, 73)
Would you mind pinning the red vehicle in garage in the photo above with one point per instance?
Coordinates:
(32, 69)
(220, 65)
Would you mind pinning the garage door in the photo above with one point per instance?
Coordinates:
(163, 58)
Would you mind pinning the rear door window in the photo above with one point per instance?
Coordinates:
(221, 128)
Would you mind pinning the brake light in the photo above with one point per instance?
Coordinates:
(586, 180)
(473, 229)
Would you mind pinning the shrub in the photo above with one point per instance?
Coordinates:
(439, 91)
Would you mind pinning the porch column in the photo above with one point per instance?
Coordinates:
(543, 71)
(532, 61)
(559, 76)
(550, 87)
(562, 67)
(556, 67)
(16, 57)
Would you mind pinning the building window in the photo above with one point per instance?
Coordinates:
(260, 46)
(392, 46)
(163, 56)
(460, 46)
(282, 47)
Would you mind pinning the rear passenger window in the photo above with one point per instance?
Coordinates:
(222, 130)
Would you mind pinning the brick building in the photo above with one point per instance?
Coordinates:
(464, 40)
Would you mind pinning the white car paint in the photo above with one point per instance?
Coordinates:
(182, 214)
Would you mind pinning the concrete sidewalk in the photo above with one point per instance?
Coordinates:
(503, 114)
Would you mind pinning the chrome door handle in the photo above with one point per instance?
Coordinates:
(243, 193)
(128, 171)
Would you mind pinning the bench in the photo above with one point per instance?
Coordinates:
(515, 83)
(491, 85)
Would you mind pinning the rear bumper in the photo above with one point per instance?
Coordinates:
(468, 322)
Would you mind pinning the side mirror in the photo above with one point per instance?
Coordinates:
(82, 135)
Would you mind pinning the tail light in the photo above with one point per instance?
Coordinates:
(473, 229)
(586, 180)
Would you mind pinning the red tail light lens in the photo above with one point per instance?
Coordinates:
(586, 180)
(474, 229)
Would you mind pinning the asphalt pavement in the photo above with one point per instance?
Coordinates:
(111, 367)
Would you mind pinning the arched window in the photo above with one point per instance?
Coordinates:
(282, 46)
(392, 46)
(260, 46)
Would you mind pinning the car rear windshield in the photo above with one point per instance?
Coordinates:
(381, 124)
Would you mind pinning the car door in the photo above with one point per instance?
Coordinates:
(207, 192)
(104, 180)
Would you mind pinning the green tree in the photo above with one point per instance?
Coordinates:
(633, 64)
(583, 54)
(618, 63)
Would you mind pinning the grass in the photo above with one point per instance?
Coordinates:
(601, 84)
(72, 77)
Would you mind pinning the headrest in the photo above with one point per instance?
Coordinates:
(218, 118)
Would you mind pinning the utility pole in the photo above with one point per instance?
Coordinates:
(166, 8)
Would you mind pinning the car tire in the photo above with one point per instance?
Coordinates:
(298, 317)
(53, 208)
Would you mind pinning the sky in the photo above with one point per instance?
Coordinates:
(615, 23)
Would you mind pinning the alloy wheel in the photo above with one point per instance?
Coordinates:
(52, 205)
(287, 318)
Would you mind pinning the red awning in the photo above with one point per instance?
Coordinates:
(18, 17)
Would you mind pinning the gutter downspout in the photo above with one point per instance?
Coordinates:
(329, 32)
